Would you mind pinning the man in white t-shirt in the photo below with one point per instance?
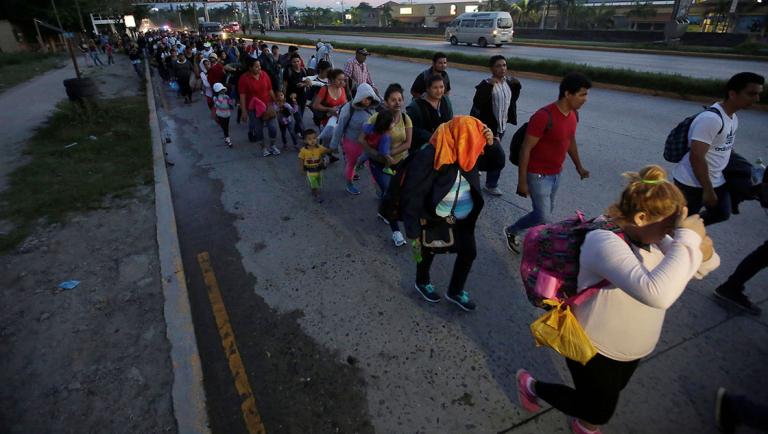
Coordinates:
(700, 173)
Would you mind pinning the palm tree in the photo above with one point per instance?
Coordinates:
(386, 14)
(529, 12)
(641, 11)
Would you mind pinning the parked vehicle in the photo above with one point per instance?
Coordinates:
(233, 27)
(211, 29)
(481, 28)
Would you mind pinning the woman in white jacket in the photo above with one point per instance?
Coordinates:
(623, 321)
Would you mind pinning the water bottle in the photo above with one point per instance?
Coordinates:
(758, 169)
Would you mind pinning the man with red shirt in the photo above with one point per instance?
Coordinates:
(551, 134)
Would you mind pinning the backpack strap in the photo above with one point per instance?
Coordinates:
(711, 109)
(592, 225)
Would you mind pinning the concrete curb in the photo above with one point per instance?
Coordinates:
(539, 76)
(188, 394)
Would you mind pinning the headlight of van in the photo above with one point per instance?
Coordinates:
(495, 32)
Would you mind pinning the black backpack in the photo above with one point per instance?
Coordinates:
(676, 145)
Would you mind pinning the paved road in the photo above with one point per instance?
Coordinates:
(687, 66)
(333, 335)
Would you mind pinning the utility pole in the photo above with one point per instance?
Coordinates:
(58, 20)
(80, 16)
(40, 37)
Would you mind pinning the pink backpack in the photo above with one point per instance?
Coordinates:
(550, 263)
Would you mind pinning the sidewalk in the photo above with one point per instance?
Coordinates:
(94, 358)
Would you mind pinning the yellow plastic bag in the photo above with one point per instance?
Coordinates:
(560, 330)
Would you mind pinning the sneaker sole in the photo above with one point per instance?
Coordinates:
(719, 408)
(730, 303)
(424, 297)
(457, 303)
(532, 407)
(509, 245)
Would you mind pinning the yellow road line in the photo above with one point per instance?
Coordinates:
(248, 406)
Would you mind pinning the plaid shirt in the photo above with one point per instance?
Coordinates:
(358, 73)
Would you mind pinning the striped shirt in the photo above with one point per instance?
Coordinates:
(223, 104)
(464, 203)
(500, 98)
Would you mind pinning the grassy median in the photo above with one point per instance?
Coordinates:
(659, 82)
(81, 156)
(18, 67)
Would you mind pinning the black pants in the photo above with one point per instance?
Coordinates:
(224, 123)
(466, 251)
(694, 196)
(747, 268)
(598, 384)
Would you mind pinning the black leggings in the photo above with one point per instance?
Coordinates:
(598, 384)
(466, 251)
(224, 123)
(748, 267)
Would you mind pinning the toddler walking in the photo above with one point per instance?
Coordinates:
(379, 136)
(311, 161)
(285, 119)
(223, 104)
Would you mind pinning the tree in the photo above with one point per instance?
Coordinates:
(529, 12)
(495, 5)
(386, 14)
(641, 11)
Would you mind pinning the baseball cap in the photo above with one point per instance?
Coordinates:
(362, 51)
(213, 56)
(218, 87)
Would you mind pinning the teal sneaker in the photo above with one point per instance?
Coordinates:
(428, 292)
(462, 300)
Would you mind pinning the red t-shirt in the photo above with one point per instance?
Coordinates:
(252, 87)
(216, 74)
(548, 155)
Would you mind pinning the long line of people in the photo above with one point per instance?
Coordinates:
(425, 161)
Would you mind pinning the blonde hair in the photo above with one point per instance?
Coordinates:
(650, 192)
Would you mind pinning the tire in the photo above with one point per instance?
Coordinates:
(454, 41)
(80, 88)
(482, 42)
(498, 45)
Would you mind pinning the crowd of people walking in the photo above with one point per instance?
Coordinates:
(425, 161)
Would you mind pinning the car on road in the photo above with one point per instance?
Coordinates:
(211, 29)
(233, 27)
(481, 28)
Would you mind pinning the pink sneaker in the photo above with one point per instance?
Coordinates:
(528, 400)
(578, 428)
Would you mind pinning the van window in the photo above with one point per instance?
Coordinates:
(504, 23)
(484, 24)
(467, 23)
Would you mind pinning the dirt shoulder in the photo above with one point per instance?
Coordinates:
(94, 358)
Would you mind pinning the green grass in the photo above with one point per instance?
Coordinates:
(660, 82)
(17, 68)
(59, 180)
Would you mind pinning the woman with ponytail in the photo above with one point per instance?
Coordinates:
(664, 249)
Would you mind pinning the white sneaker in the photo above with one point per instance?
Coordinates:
(266, 152)
(275, 151)
(398, 239)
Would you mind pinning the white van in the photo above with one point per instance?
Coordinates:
(481, 28)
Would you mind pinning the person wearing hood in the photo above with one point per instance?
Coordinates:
(440, 202)
(352, 117)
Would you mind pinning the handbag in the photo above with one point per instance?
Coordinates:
(560, 330)
(439, 235)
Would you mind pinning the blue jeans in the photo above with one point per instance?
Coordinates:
(256, 128)
(542, 190)
(382, 181)
(695, 198)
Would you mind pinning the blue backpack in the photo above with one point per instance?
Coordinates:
(676, 145)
